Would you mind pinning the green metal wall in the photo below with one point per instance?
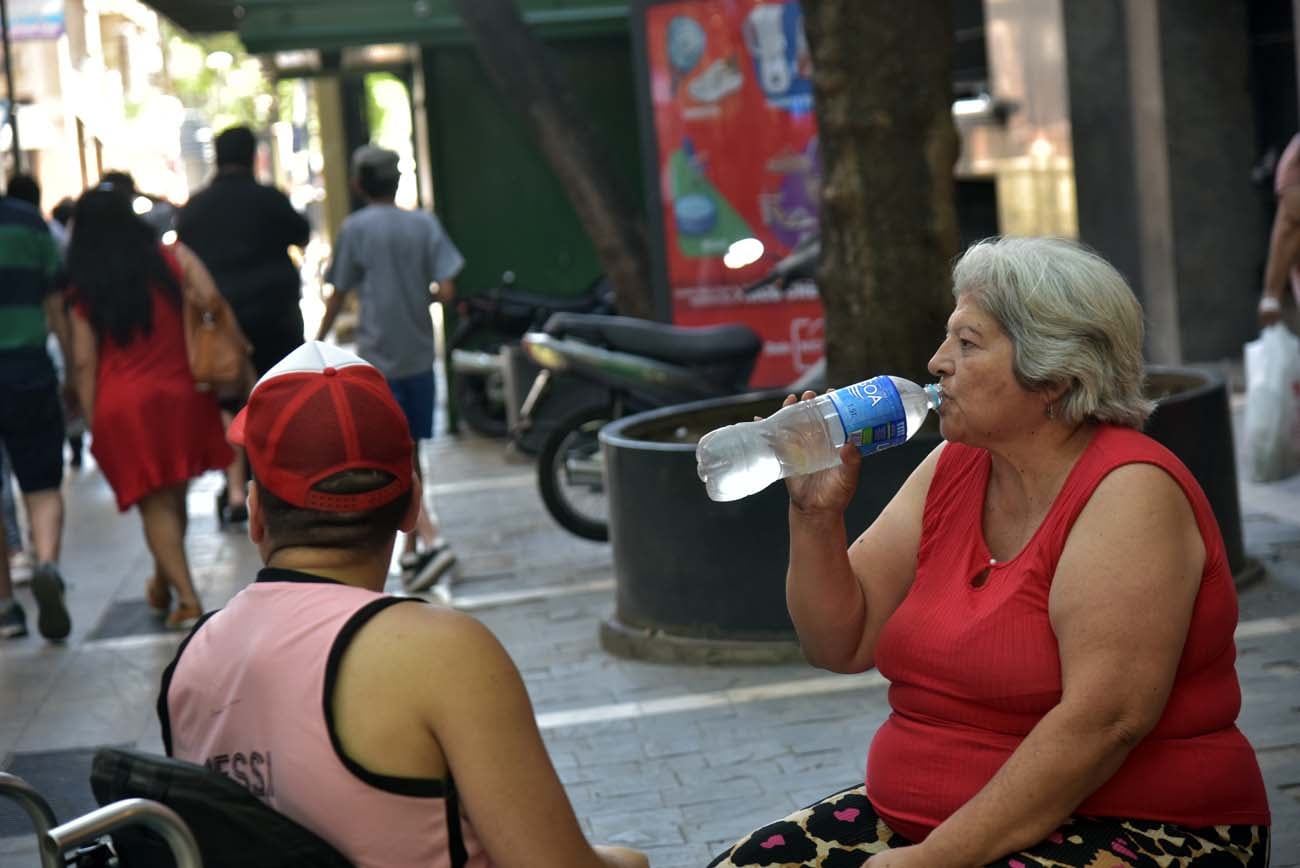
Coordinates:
(282, 25)
(492, 187)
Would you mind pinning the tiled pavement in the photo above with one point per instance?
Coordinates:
(678, 760)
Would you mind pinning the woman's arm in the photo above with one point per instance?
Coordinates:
(198, 285)
(840, 599)
(333, 306)
(85, 364)
(1120, 606)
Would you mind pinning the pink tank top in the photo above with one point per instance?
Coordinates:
(248, 695)
(973, 663)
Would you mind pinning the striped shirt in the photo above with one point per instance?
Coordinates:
(29, 259)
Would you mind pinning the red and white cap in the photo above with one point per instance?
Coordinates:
(320, 411)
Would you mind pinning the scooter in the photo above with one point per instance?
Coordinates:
(489, 321)
(638, 365)
(641, 365)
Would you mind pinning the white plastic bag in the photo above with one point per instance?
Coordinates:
(1273, 404)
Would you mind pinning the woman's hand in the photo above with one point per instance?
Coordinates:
(826, 492)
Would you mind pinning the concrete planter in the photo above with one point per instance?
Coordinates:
(704, 582)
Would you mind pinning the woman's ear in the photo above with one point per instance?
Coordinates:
(256, 521)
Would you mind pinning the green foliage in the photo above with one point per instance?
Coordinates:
(228, 92)
(388, 110)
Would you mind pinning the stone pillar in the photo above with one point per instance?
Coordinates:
(1163, 143)
(329, 105)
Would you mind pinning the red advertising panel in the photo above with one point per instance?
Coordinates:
(731, 102)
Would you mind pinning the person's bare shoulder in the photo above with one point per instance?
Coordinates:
(434, 644)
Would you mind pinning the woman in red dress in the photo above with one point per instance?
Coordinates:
(152, 430)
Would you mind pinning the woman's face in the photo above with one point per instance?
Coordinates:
(983, 403)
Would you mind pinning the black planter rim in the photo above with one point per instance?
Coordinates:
(613, 433)
(1209, 381)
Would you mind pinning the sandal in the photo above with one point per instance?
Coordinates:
(158, 594)
(184, 616)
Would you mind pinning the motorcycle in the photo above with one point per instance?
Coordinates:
(641, 365)
(638, 365)
(488, 321)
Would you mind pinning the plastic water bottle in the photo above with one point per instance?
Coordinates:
(739, 460)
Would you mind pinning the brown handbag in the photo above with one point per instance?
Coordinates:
(218, 351)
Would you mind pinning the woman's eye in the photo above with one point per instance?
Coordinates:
(965, 344)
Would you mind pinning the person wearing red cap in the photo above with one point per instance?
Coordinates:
(342, 708)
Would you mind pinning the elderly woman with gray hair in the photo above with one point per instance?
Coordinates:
(1049, 598)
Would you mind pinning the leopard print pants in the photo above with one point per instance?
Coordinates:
(843, 831)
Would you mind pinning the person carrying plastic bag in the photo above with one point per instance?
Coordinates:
(1273, 404)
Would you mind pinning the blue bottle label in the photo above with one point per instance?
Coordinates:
(872, 414)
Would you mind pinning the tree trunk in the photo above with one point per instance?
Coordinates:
(524, 73)
(882, 84)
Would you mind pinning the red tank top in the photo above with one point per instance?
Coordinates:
(973, 669)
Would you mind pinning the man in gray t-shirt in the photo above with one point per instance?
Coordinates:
(392, 259)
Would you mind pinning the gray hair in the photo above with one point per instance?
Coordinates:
(1072, 319)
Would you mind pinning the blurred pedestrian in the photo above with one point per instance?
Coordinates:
(62, 213)
(1283, 265)
(25, 187)
(157, 213)
(393, 258)
(242, 231)
(20, 566)
(31, 417)
(28, 189)
(152, 431)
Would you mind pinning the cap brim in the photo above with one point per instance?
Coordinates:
(235, 433)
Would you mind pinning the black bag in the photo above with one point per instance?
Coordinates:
(231, 825)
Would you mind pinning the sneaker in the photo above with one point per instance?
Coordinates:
(13, 622)
(20, 568)
(411, 562)
(52, 619)
(427, 567)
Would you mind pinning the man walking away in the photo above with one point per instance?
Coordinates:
(242, 231)
(31, 413)
(393, 258)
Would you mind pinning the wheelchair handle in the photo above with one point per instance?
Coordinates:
(18, 790)
(127, 812)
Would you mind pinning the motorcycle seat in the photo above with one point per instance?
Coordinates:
(683, 345)
(529, 303)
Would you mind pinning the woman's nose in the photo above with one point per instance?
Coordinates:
(938, 364)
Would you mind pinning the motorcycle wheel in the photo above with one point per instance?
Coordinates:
(481, 402)
(571, 474)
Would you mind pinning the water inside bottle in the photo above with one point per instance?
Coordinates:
(723, 486)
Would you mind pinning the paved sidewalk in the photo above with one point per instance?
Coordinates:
(675, 759)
